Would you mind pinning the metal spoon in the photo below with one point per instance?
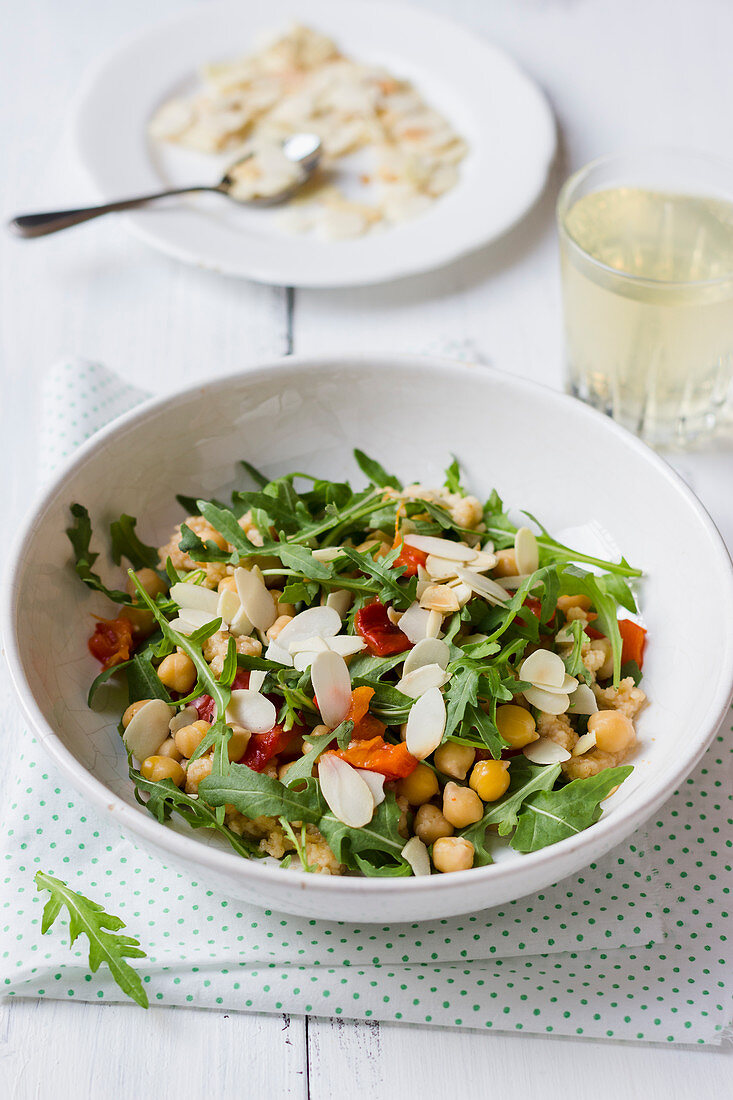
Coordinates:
(302, 149)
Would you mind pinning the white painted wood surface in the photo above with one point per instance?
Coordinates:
(619, 73)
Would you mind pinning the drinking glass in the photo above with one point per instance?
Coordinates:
(646, 245)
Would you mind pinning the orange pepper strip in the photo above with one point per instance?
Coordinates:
(633, 637)
(375, 755)
(111, 643)
(366, 726)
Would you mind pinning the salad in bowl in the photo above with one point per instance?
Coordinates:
(385, 681)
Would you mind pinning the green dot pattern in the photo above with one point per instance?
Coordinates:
(636, 946)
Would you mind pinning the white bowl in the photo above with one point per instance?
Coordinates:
(544, 452)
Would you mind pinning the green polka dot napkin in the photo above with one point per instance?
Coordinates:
(635, 947)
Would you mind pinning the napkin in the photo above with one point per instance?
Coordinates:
(631, 948)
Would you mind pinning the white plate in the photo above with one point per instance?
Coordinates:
(502, 114)
(544, 451)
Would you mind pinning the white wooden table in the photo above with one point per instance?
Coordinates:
(619, 73)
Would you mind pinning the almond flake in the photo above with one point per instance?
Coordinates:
(251, 710)
(525, 549)
(546, 751)
(442, 548)
(547, 701)
(440, 569)
(148, 729)
(435, 624)
(414, 622)
(257, 603)
(375, 783)
(314, 622)
(429, 651)
(183, 718)
(567, 687)
(543, 668)
(340, 600)
(394, 616)
(482, 562)
(346, 644)
(416, 683)
(483, 586)
(194, 620)
(345, 791)
(257, 678)
(426, 723)
(332, 687)
(278, 655)
(240, 624)
(584, 744)
(195, 598)
(512, 583)
(417, 856)
(439, 597)
(583, 701)
(228, 606)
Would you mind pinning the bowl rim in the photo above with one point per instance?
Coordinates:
(184, 847)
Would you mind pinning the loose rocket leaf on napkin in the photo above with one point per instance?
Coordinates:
(100, 928)
(126, 543)
(551, 816)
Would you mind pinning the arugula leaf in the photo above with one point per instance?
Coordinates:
(80, 537)
(453, 478)
(551, 816)
(199, 550)
(302, 768)
(300, 592)
(381, 570)
(525, 780)
(254, 473)
(462, 692)
(301, 558)
(575, 580)
(357, 847)
(143, 681)
(254, 794)
(125, 543)
(376, 473)
(99, 927)
(102, 678)
(366, 668)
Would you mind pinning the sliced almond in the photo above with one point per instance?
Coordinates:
(442, 548)
(547, 701)
(583, 701)
(439, 597)
(228, 605)
(340, 600)
(345, 791)
(195, 598)
(314, 622)
(394, 616)
(346, 644)
(512, 583)
(257, 678)
(251, 710)
(584, 744)
(278, 655)
(430, 651)
(183, 718)
(526, 551)
(417, 856)
(182, 626)
(426, 723)
(567, 687)
(416, 683)
(543, 668)
(483, 586)
(483, 562)
(307, 645)
(546, 751)
(257, 603)
(240, 624)
(435, 624)
(414, 622)
(332, 687)
(565, 636)
(149, 728)
(375, 783)
(463, 592)
(440, 569)
(194, 620)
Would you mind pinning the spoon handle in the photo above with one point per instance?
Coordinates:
(40, 225)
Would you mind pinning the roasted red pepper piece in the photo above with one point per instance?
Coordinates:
(366, 726)
(111, 642)
(263, 746)
(381, 636)
(633, 637)
(409, 556)
(376, 755)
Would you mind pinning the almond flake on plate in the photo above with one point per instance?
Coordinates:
(257, 603)
(148, 729)
(429, 651)
(543, 668)
(417, 856)
(331, 687)
(195, 598)
(228, 606)
(584, 744)
(525, 549)
(340, 600)
(548, 701)
(483, 586)
(347, 794)
(257, 678)
(442, 548)
(583, 701)
(278, 655)
(182, 718)
(414, 622)
(426, 723)
(414, 684)
(314, 622)
(546, 751)
(375, 783)
(251, 710)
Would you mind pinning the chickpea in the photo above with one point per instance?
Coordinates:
(238, 742)
(280, 623)
(143, 621)
(430, 825)
(454, 760)
(420, 786)
(461, 805)
(168, 748)
(566, 602)
(452, 853)
(490, 779)
(188, 738)
(606, 669)
(282, 608)
(131, 711)
(177, 672)
(614, 731)
(162, 767)
(196, 771)
(150, 581)
(506, 564)
(283, 770)
(227, 584)
(516, 725)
